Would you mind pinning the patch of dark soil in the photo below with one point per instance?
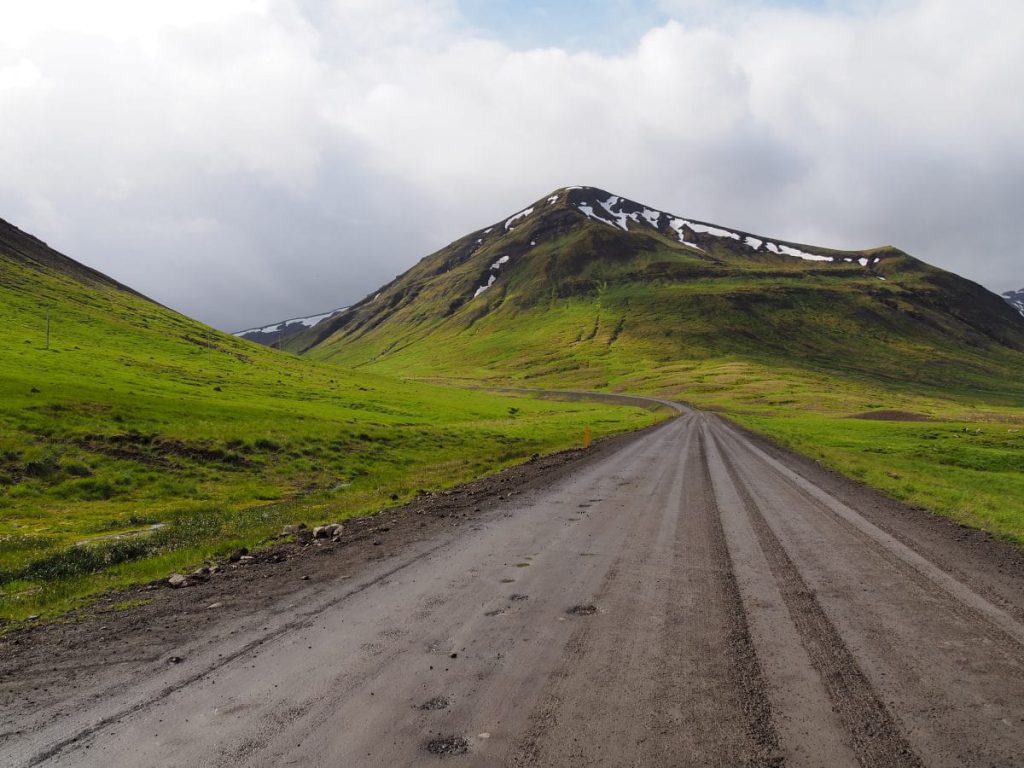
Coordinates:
(517, 596)
(891, 416)
(158, 450)
(583, 610)
(444, 746)
(435, 704)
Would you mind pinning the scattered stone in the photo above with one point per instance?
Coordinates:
(305, 578)
(201, 574)
(212, 606)
(328, 531)
(246, 558)
(455, 656)
(518, 596)
(238, 554)
(176, 580)
(444, 746)
(583, 610)
(33, 617)
(175, 659)
(434, 704)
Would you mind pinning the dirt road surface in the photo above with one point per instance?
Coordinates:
(688, 597)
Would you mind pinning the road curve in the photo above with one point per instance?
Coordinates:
(693, 599)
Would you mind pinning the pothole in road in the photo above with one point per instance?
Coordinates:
(434, 704)
(444, 746)
(583, 610)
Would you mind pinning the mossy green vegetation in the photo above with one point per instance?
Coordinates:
(142, 442)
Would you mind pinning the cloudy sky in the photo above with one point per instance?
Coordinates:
(250, 160)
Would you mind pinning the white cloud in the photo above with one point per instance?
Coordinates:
(298, 153)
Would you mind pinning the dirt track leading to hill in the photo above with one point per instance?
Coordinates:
(687, 597)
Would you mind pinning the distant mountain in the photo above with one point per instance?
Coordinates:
(587, 288)
(272, 335)
(1016, 300)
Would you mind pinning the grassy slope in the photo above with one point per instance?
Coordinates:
(791, 350)
(138, 416)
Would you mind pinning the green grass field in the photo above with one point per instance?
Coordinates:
(138, 417)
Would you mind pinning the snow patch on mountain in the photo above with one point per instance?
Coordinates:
(482, 288)
(611, 211)
(492, 277)
(1016, 300)
(789, 250)
(521, 215)
(653, 217)
(306, 322)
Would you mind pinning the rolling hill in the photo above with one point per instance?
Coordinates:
(135, 441)
(889, 369)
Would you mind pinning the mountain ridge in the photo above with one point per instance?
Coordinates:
(272, 334)
(24, 248)
(583, 243)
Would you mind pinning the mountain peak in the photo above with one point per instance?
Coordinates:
(627, 215)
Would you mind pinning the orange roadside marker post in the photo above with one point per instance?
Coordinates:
(586, 437)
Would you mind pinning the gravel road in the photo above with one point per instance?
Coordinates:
(690, 596)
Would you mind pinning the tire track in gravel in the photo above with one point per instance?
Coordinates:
(671, 646)
(878, 741)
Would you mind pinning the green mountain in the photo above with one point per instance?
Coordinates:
(584, 287)
(891, 370)
(135, 441)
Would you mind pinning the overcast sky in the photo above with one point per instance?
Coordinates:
(246, 161)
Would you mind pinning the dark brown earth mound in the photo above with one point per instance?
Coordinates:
(891, 416)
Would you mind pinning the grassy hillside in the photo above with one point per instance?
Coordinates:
(141, 441)
(841, 355)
